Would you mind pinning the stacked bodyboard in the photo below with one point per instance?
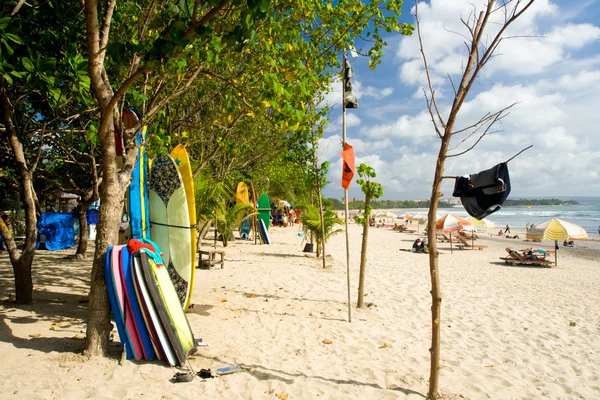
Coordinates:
(149, 317)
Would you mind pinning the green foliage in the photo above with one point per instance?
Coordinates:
(538, 202)
(227, 219)
(390, 204)
(311, 219)
(371, 189)
(211, 197)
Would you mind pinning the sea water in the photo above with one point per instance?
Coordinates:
(586, 215)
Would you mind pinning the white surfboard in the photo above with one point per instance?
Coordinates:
(170, 223)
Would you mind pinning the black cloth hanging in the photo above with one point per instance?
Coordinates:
(483, 193)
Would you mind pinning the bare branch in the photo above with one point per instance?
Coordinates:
(526, 148)
(431, 91)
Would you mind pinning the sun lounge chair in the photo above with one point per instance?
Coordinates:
(464, 244)
(446, 239)
(516, 258)
(468, 236)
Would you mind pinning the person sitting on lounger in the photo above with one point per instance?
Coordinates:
(570, 243)
(530, 256)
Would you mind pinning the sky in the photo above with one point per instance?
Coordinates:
(550, 69)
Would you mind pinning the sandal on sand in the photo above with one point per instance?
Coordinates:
(205, 374)
(183, 377)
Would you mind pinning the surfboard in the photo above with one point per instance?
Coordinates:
(139, 211)
(182, 160)
(134, 306)
(155, 281)
(264, 210)
(130, 327)
(153, 320)
(242, 196)
(170, 223)
(114, 305)
(264, 234)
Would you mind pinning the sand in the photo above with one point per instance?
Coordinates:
(508, 332)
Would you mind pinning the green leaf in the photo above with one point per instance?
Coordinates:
(263, 5)
(4, 21)
(14, 38)
(28, 64)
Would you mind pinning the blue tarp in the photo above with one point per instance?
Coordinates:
(58, 229)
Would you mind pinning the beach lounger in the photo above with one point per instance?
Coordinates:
(446, 239)
(467, 236)
(515, 258)
(464, 244)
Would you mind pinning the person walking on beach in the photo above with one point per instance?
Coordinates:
(507, 229)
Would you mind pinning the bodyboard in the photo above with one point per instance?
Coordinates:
(152, 318)
(134, 305)
(114, 305)
(161, 309)
(130, 328)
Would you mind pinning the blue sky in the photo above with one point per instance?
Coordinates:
(553, 77)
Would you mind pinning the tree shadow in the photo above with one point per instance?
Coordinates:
(263, 373)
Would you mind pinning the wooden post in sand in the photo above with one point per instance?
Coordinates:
(346, 190)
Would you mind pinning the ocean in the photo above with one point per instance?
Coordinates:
(586, 214)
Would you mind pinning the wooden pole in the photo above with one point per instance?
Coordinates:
(346, 191)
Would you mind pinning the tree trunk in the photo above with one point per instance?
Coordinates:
(21, 263)
(363, 257)
(23, 281)
(83, 232)
(112, 193)
(436, 293)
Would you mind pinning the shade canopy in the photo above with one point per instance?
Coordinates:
(451, 223)
(405, 216)
(482, 223)
(557, 229)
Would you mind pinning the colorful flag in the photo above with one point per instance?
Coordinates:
(348, 168)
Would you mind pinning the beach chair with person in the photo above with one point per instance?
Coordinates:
(527, 259)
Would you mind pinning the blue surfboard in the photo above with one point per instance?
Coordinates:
(114, 305)
(139, 210)
(264, 234)
(132, 302)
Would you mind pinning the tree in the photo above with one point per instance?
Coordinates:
(481, 46)
(372, 190)
(321, 227)
(40, 78)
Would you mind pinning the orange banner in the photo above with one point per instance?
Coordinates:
(348, 168)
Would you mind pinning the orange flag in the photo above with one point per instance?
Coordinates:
(348, 167)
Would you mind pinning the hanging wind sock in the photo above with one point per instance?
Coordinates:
(348, 165)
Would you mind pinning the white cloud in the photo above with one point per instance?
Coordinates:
(553, 77)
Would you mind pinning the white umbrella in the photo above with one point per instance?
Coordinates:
(420, 218)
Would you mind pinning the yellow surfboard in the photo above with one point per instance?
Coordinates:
(182, 160)
(241, 197)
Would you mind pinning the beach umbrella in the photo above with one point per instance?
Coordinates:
(451, 223)
(405, 216)
(556, 229)
(481, 223)
(420, 218)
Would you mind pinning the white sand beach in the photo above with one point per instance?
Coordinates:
(508, 332)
